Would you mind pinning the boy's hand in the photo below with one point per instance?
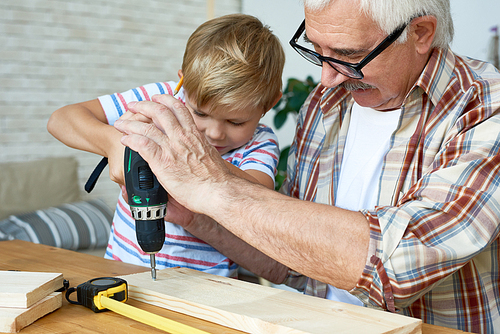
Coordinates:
(117, 153)
(179, 215)
(115, 162)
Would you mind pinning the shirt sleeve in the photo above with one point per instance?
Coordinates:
(439, 224)
(115, 105)
(260, 153)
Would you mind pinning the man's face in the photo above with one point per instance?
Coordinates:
(340, 31)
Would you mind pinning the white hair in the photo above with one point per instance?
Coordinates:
(390, 14)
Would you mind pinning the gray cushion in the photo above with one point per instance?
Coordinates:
(33, 185)
(78, 225)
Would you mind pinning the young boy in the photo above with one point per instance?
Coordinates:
(231, 71)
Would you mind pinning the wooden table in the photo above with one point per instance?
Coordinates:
(78, 268)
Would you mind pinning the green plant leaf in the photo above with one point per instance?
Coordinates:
(283, 159)
(281, 169)
(311, 82)
(294, 96)
(280, 118)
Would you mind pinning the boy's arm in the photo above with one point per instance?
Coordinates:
(208, 230)
(252, 175)
(84, 126)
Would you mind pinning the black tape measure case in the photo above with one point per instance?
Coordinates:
(89, 293)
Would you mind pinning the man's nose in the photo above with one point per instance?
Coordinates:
(330, 77)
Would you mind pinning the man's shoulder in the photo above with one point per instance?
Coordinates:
(448, 75)
(479, 79)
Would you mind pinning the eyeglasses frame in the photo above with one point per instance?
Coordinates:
(356, 67)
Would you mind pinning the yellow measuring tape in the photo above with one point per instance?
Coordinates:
(148, 318)
(111, 293)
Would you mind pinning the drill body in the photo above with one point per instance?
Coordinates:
(148, 204)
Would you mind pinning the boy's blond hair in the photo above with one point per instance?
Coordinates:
(233, 61)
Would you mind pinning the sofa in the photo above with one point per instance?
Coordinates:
(42, 202)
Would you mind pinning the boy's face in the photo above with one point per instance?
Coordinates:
(225, 129)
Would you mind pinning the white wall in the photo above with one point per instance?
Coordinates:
(57, 52)
(284, 17)
(473, 20)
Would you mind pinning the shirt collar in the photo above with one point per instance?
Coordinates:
(437, 74)
(332, 97)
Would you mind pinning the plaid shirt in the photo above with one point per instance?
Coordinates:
(434, 235)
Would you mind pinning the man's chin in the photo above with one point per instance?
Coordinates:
(366, 98)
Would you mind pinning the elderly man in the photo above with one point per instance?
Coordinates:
(392, 182)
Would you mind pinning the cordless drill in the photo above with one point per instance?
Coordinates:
(148, 204)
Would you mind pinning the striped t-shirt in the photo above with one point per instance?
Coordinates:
(181, 249)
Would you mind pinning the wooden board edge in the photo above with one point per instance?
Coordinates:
(26, 317)
(415, 328)
(45, 290)
(25, 300)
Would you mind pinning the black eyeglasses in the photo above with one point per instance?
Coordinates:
(349, 70)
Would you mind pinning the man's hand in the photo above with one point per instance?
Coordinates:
(186, 165)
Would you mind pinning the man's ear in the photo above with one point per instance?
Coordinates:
(424, 31)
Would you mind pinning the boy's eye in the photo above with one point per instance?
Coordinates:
(199, 114)
(236, 123)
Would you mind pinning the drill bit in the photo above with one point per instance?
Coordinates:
(153, 266)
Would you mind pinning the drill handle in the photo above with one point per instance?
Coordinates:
(142, 186)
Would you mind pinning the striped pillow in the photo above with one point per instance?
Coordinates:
(78, 225)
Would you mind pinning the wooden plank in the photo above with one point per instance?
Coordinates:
(254, 308)
(23, 289)
(12, 320)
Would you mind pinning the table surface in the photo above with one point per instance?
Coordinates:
(78, 268)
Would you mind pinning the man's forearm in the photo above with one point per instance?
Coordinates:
(320, 241)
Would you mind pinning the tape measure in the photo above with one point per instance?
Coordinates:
(89, 293)
(110, 293)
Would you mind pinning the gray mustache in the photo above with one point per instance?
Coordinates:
(355, 85)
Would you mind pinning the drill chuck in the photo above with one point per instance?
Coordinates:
(149, 213)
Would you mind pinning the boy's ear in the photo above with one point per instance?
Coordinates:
(275, 102)
(179, 73)
(278, 98)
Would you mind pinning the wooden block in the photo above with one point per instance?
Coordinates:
(12, 320)
(23, 289)
(254, 308)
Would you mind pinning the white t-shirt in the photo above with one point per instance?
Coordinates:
(368, 140)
